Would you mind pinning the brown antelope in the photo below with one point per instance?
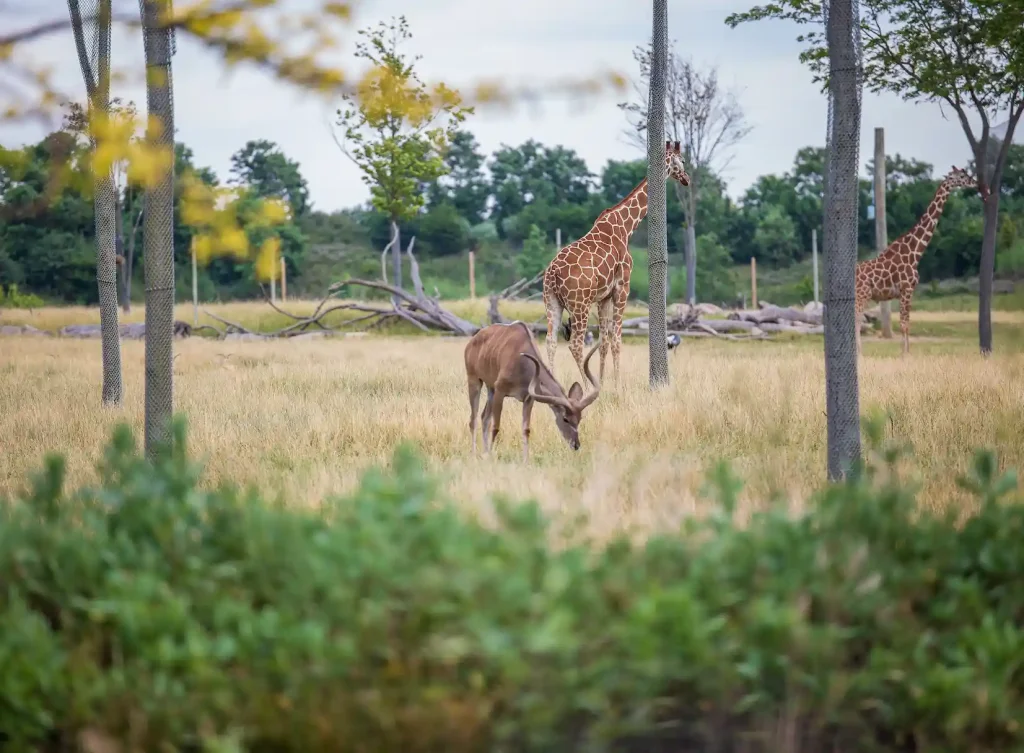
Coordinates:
(499, 356)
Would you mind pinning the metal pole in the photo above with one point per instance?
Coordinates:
(472, 275)
(753, 283)
(195, 286)
(558, 238)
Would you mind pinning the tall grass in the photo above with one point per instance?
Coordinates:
(304, 418)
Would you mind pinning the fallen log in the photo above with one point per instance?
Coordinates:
(771, 313)
(130, 331)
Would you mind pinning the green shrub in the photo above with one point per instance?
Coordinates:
(162, 615)
(15, 299)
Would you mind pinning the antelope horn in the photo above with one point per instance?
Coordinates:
(548, 399)
(588, 399)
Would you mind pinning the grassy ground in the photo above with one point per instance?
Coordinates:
(304, 418)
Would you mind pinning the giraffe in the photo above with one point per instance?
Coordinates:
(596, 269)
(893, 273)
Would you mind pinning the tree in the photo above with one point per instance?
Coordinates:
(968, 54)
(775, 237)
(535, 254)
(464, 186)
(532, 173)
(96, 73)
(657, 242)
(391, 134)
(265, 170)
(707, 119)
(158, 229)
(443, 231)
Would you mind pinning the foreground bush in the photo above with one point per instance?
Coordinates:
(148, 614)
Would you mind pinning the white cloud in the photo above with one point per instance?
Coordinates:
(529, 40)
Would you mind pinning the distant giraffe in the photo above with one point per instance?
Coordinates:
(596, 269)
(893, 273)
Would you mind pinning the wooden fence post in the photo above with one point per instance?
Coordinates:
(753, 282)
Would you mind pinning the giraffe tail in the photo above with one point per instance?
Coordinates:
(567, 329)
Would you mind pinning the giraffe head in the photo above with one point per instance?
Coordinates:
(960, 178)
(674, 167)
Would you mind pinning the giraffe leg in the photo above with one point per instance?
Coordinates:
(605, 315)
(553, 311)
(905, 296)
(576, 337)
(475, 386)
(621, 296)
(527, 408)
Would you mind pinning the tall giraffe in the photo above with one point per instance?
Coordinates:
(893, 273)
(596, 269)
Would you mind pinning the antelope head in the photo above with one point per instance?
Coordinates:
(568, 408)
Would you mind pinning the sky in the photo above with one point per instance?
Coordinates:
(216, 111)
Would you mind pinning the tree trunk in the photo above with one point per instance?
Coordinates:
(158, 233)
(97, 84)
(657, 241)
(842, 393)
(986, 271)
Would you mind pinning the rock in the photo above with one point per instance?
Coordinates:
(80, 330)
(244, 336)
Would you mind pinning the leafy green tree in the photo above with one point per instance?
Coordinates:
(535, 254)
(715, 280)
(264, 169)
(345, 226)
(390, 132)
(443, 231)
(47, 229)
(533, 173)
(967, 54)
(465, 186)
(775, 237)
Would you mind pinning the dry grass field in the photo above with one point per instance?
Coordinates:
(303, 419)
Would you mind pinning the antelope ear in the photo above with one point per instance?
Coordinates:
(575, 392)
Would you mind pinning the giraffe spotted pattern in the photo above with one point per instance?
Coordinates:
(893, 273)
(595, 270)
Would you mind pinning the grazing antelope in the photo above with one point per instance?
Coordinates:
(499, 356)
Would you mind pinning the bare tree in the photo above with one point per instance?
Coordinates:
(701, 114)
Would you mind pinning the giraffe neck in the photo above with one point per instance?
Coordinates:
(627, 214)
(922, 232)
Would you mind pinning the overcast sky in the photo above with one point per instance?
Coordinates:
(216, 113)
